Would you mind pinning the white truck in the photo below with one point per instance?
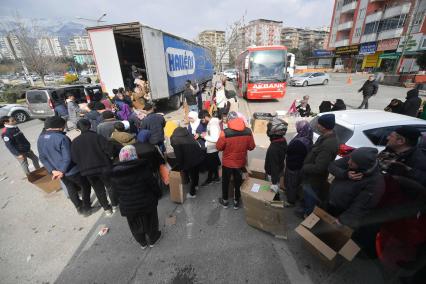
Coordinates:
(165, 60)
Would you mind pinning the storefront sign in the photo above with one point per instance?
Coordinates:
(368, 48)
(371, 61)
(388, 44)
(412, 43)
(347, 50)
(322, 53)
(392, 55)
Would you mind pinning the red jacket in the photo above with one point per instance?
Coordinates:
(235, 141)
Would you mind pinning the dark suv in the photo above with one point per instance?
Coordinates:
(42, 102)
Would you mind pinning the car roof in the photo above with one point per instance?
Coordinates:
(360, 117)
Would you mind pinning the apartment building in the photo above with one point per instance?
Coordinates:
(211, 38)
(303, 37)
(50, 46)
(262, 32)
(375, 34)
(81, 49)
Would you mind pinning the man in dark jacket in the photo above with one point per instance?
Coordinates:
(189, 155)
(369, 89)
(93, 155)
(412, 103)
(190, 95)
(357, 187)
(93, 115)
(275, 155)
(234, 141)
(54, 148)
(315, 166)
(138, 194)
(106, 127)
(17, 144)
(155, 123)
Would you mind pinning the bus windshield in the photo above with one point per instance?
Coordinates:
(268, 65)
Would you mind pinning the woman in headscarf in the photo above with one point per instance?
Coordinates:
(196, 127)
(124, 112)
(137, 191)
(297, 150)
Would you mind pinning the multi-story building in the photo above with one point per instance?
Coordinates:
(303, 37)
(211, 38)
(50, 46)
(6, 49)
(81, 49)
(262, 32)
(371, 33)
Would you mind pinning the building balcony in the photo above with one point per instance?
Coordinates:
(369, 38)
(390, 34)
(374, 17)
(397, 10)
(349, 7)
(345, 26)
(343, 42)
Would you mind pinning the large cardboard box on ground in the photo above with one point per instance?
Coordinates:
(260, 209)
(43, 180)
(177, 188)
(260, 126)
(256, 168)
(327, 240)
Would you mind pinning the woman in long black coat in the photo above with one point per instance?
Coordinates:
(138, 193)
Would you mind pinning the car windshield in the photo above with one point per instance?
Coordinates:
(305, 75)
(268, 65)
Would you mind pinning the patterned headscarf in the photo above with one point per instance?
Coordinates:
(128, 153)
(305, 133)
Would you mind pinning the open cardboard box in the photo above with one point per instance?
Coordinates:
(43, 180)
(261, 211)
(256, 168)
(177, 188)
(326, 239)
(260, 126)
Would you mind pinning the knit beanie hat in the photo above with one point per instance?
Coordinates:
(410, 133)
(128, 153)
(54, 122)
(365, 157)
(327, 120)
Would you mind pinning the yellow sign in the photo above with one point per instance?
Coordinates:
(371, 61)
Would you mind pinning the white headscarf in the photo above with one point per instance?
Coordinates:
(194, 125)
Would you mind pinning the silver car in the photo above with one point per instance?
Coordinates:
(19, 112)
(306, 79)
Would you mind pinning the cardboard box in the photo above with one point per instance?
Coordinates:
(256, 169)
(260, 209)
(177, 189)
(260, 126)
(43, 180)
(327, 240)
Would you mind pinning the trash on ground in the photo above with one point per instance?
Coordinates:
(171, 220)
(103, 231)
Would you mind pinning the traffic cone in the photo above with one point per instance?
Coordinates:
(349, 81)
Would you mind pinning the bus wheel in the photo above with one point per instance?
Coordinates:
(174, 102)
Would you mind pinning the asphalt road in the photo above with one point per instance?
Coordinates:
(43, 240)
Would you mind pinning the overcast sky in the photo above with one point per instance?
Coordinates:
(181, 17)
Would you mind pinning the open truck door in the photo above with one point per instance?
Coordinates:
(106, 58)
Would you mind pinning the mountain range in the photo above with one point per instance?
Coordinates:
(62, 28)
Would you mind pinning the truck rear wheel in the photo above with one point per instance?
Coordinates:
(175, 102)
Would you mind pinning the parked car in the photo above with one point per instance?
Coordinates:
(368, 128)
(230, 74)
(306, 79)
(19, 112)
(42, 102)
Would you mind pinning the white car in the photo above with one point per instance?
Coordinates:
(19, 112)
(230, 74)
(368, 128)
(307, 79)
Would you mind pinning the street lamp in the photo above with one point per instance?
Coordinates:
(97, 21)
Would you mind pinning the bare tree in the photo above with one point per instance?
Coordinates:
(32, 56)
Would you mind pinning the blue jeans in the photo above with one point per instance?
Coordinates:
(193, 108)
(311, 199)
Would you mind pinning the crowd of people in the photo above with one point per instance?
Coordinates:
(121, 150)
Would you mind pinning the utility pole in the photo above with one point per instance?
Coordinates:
(410, 29)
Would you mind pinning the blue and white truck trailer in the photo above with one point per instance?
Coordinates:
(165, 60)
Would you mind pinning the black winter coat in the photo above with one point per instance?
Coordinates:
(275, 158)
(412, 104)
(93, 153)
(155, 123)
(136, 188)
(187, 151)
(354, 199)
(150, 153)
(369, 88)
